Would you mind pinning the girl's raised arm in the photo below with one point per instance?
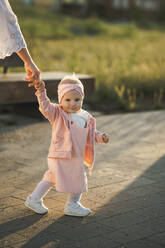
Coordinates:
(47, 108)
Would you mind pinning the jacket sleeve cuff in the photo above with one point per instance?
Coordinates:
(41, 94)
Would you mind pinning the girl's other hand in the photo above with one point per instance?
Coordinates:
(105, 137)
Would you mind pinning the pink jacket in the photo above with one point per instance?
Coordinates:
(61, 143)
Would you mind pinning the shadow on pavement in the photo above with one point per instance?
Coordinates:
(18, 224)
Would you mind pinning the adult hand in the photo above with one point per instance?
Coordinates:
(33, 73)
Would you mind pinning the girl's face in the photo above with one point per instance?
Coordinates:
(71, 102)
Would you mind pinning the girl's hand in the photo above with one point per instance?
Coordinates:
(39, 85)
(105, 137)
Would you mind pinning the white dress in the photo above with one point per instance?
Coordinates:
(11, 38)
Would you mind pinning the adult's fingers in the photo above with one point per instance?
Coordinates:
(35, 83)
(33, 78)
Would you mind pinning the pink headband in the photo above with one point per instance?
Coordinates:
(64, 88)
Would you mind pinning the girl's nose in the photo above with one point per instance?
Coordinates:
(73, 103)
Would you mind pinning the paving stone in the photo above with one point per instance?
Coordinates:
(9, 201)
(10, 240)
(47, 241)
(132, 233)
(9, 191)
(18, 224)
(141, 244)
(143, 191)
(99, 242)
(158, 238)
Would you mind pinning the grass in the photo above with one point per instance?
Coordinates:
(122, 57)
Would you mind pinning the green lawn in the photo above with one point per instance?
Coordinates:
(127, 61)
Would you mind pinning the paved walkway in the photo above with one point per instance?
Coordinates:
(126, 191)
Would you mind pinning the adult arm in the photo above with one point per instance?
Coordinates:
(33, 73)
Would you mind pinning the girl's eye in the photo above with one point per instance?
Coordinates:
(67, 100)
(77, 99)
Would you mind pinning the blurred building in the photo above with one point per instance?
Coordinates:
(114, 9)
(128, 9)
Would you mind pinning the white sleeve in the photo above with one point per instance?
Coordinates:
(11, 38)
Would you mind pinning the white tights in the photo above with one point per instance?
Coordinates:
(73, 198)
(42, 189)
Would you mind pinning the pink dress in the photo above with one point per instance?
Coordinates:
(69, 175)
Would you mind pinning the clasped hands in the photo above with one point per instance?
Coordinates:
(39, 85)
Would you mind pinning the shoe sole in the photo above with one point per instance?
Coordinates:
(28, 206)
(77, 215)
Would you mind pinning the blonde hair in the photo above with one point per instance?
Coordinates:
(70, 79)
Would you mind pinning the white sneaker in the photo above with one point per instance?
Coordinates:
(76, 209)
(36, 206)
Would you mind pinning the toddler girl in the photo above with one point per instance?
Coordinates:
(72, 145)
